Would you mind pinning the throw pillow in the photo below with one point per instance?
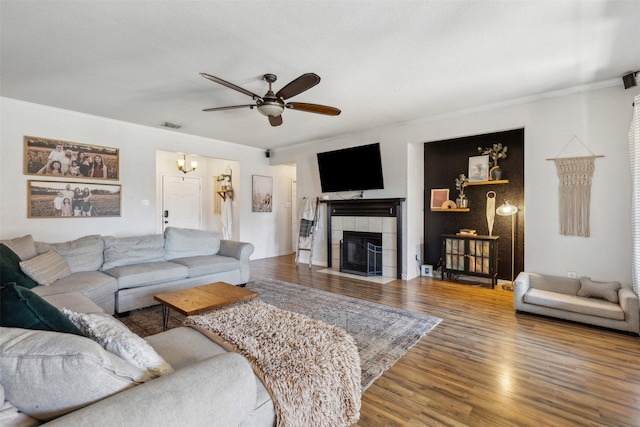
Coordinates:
(83, 254)
(603, 290)
(22, 308)
(10, 269)
(50, 374)
(46, 268)
(115, 337)
(24, 246)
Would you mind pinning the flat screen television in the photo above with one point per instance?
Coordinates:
(351, 169)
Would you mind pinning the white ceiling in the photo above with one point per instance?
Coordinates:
(381, 62)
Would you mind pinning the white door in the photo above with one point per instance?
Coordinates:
(181, 202)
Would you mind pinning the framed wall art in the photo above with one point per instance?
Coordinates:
(479, 168)
(53, 157)
(262, 194)
(62, 199)
(438, 197)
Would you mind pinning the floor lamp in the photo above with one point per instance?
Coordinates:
(507, 209)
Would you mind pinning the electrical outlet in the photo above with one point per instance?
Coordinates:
(571, 274)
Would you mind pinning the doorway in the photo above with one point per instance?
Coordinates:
(181, 202)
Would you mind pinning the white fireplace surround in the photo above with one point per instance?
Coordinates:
(374, 224)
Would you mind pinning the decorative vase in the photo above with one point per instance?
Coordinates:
(496, 173)
(462, 201)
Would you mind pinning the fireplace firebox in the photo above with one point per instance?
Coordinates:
(361, 253)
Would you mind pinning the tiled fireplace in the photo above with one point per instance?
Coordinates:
(367, 215)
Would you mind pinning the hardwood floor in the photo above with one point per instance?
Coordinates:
(484, 365)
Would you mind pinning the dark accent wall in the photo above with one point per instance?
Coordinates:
(443, 162)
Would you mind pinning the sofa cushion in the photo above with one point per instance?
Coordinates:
(603, 290)
(10, 270)
(83, 254)
(46, 268)
(134, 276)
(132, 250)
(563, 285)
(47, 374)
(22, 308)
(96, 285)
(115, 337)
(576, 304)
(202, 265)
(24, 246)
(10, 416)
(74, 301)
(186, 242)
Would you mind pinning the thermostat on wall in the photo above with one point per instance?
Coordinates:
(426, 270)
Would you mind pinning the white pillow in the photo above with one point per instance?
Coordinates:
(116, 338)
(46, 268)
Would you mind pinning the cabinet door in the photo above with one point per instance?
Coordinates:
(479, 255)
(454, 254)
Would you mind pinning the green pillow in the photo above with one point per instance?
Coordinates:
(22, 308)
(10, 270)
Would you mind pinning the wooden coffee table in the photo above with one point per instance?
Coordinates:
(203, 298)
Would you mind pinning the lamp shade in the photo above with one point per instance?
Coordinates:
(270, 108)
(506, 209)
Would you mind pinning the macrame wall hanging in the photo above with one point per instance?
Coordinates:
(574, 191)
(491, 210)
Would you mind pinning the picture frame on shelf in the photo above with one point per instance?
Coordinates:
(66, 199)
(438, 197)
(479, 168)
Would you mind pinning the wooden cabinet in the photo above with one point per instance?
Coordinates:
(470, 255)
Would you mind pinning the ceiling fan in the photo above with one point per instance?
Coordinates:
(272, 105)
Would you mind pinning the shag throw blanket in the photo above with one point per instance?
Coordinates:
(311, 369)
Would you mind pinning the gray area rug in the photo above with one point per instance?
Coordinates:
(383, 334)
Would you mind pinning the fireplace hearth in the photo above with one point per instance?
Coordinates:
(361, 253)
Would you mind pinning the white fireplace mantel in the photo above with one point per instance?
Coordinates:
(367, 208)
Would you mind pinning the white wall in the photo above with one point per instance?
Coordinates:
(138, 177)
(600, 117)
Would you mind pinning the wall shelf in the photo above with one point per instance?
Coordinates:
(494, 182)
(450, 209)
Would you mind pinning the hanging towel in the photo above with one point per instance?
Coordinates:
(308, 211)
(227, 219)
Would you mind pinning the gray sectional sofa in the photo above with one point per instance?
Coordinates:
(121, 274)
(59, 378)
(607, 304)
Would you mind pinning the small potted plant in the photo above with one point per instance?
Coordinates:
(496, 151)
(461, 182)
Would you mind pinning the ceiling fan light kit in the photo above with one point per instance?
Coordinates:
(272, 105)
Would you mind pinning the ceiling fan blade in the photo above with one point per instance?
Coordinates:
(275, 121)
(314, 108)
(231, 107)
(299, 85)
(230, 85)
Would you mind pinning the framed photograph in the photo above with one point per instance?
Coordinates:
(262, 194)
(53, 157)
(61, 199)
(438, 197)
(479, 168)
(426, 270)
